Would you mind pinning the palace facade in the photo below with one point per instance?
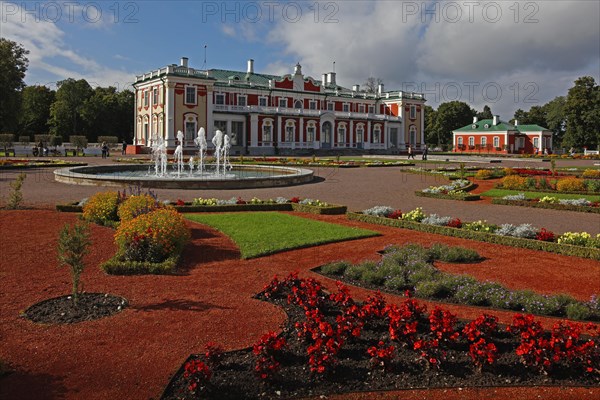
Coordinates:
(269, 114)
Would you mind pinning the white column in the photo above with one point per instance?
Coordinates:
(301, 133)
(170, 111)
(367, 140)
(351, 132)
(422, 114)
(253, 130)
(210, 120)
(228, 127)
(279, 131)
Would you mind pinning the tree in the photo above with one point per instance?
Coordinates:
(555, 118)
(108, 113)
(450, 116)
(35, 109)
(73, 245)
(582, 111)
(65, 112)
(372, 84)
(486, 113)
(13, 65)
(430, 115)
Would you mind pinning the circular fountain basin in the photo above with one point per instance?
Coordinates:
(239, 177)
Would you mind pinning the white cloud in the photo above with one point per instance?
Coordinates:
(532, 61)
(48, 55)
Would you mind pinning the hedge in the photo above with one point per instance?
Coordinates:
(328, 210)
(235, 207)
(118, 266)
(71, 207)
(548, 191)
(555, 206)
(564, 249)
(447, 196)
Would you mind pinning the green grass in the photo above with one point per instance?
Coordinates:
(261, 233)
(536, 195)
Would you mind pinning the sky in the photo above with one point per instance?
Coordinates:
(507, 54)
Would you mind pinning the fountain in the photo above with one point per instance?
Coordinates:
(220, 175)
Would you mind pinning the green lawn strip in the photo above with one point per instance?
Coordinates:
(538, 195)
(262, 233)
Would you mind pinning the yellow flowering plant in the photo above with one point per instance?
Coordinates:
(102, 208)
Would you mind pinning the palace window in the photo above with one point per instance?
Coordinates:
(536, 143)
(262, 101)
(190, 95)
(155, 96)
(220, 99)
(330, 106)
(266, 136)
(312, 105)
(290, 131)
(371, 109)
(496, 141)
(360, 133)
(413, 112)
(471, 141)
(412, 135)
(377, 134)
(190, 129)
(310, 133)
(298, 104)
(241, 100)
(341, 134)
(283, 102)
(361, 108)
(483, 141)
(221, 126)
(346, 107)
(145, 95)
(237, 132)
(459, 141)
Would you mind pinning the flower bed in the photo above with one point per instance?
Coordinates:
(35, 163)
(457, 190)
(481, 235)
(334, 344)
(329, 209)
(411, 268)
(555, 206)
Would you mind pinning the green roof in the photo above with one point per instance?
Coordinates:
(531, 128)
(226, 75)
(480, 126)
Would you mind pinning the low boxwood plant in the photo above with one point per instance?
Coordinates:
(410, 267)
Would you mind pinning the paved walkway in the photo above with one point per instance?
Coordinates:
(358, 188)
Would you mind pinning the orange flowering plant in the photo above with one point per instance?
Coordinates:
(136, 205)
(101, 208)
(152, 237)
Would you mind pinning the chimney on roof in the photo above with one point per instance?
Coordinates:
(324, 80)
(516, 123)
(474, 120)
(496, 120)
(250, 66)
(184, 62)
(380, 89)
(356, 88)
(331, 79)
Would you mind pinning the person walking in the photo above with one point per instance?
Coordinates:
(104, 150)
(410, 152)
(425, 152)
(124, 151)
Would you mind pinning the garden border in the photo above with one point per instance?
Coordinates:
(535, 204)
(564, 249)
(331, 209)
(117, 266)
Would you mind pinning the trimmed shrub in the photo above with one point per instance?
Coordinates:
(152, 237)
(484, 174)
(102, 208)
(396, 283)
(592, 185)
(570, 185)
(578, 311)
(135, 206)
(591, 173)
(335, 268)
(355, 271)
(514, 182)
(453, 254)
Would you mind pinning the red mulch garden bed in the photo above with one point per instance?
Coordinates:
(134, 353)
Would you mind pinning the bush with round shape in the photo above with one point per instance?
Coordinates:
(135, 206)
(570, 185)
(484, 174)
(591, 173)
(153, 237)
(514, 182)
(101, 208)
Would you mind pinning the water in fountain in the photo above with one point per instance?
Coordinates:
(226, 147)
(179, 153)
(201, 143)
(191, 164)
(159, 155)
(218, 142)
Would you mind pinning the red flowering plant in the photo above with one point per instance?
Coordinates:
(295, 199)
(535, 350)
(213, 353)
(197, 374)
(483, 352)
(483, 326)
(403, 320)
(240, 201)
(396, 214)
(429, 353)
(374, 306)
(277, 287)
(381, 355)
(180, 202)
(322, 355)
(267, 351)
(442, 324)
(545, 235)
(455, 223)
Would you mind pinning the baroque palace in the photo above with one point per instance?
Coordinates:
(268, 114)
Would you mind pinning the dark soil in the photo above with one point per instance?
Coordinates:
(234, 378)
(90, 306)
